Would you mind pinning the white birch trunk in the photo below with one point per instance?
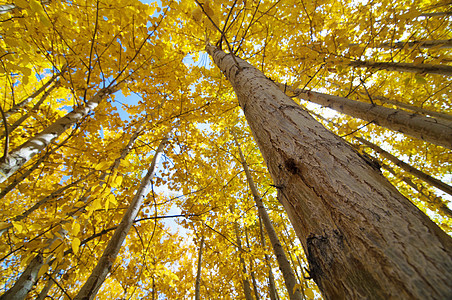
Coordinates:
(26, 280)
(427, 129)
(284, 265)
(362, 238)
(103, 267)
(21, 155)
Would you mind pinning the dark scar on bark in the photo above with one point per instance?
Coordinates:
(291, 166)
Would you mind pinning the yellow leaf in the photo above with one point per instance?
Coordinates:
(112, 199)
(18, 227)
(75, 245)
(197, 14)
(75, 228)
(43, 270)
(309, 293)
(35, 6)
(102, 166)
(21, 3)
(117, 181)
(96, 204)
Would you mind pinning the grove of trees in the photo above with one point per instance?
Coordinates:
(305, 147)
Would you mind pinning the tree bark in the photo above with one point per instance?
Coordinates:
(284, 265)
(26, 280)
(437, 115)
(362, 238)
(271, 278)
(427, 195)
(253, 278)
(26, 115)
(198, 272)
(438, 44)
(245, 283)
(103, 267)
(406, 167)
(21, 155)
(427, 129)
(404, 67)
(35, 94)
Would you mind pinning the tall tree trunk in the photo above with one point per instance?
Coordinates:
(26, 280)
(20, 177)
(245, 283)
(437, 115)
(43, 201)
(404, 67)
(198, 272)
(406, 167)
(427, 195)
(35, 94)
(21, 155)
(103, 267)
(26, 115)
(271, 279)
(423, 128)
(437, 44)
(284, 265)
(362, 238)
(436, 14)
(253, 278)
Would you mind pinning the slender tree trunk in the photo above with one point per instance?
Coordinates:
(103, 267)
(416, 109)
(429, 198)
(18, 179)
(35, 94)
(406, 167)
(362, 238)
(283, 262)
(438, 44)
(436, 14)
(26, 280)
(271, 279)
(198, 272)
(404, 67)
(43, 201)
(21, 155)
(423, 128)
(253, 278)
(26, 115)
(245, 282)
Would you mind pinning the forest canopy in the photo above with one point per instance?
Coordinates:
(89, 179)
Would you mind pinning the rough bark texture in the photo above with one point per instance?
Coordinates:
(26, 280)
(427, 129)
(284, 265)
(21, 155)
(362, 238)
(103, 267)
(404, 166)
(271, 278)
(404, 67)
